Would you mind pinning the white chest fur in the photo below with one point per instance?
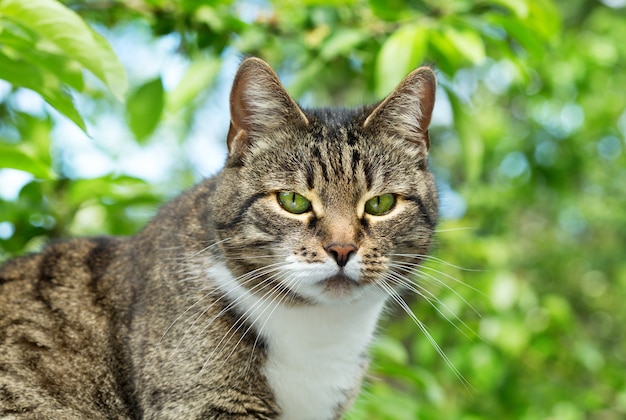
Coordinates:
(315, 353)
(315, 356)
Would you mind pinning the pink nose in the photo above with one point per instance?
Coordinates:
(341, 253)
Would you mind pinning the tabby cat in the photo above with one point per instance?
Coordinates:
(252, 296)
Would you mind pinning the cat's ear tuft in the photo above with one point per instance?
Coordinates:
(258, 104)
(407, 111)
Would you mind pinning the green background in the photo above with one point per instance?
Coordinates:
(526, 296)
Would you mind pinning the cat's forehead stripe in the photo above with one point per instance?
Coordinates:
(338, 163)
(317, 154)
(336, 148)
(356, 159)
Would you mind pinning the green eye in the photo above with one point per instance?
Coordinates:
(381, 204)
(293, 202)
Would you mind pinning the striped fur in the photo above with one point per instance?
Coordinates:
(226, 306)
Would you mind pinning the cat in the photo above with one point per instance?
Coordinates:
(255, 294)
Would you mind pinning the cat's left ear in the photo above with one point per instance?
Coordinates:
(259, 104)
(407, 111)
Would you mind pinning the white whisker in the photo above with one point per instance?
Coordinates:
(244, 318)
(398, 299)
(431, 299)
(417, 270)
(244, 279)
(454, 229)
(433, 258)
(285, 281)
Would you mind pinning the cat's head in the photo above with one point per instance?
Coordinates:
(325, 205)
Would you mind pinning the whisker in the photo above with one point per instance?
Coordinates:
(439, 260)
(432, 301)
(437, 282)
(244, 279)
(294, 289)
(398, 299)
(413, 269)
(450, 277)
(250, 257)
(243, 318)
(454, 229)
(421, 267)
(236, 283)
(195, 254)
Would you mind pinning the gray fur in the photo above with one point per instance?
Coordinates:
(135, 327)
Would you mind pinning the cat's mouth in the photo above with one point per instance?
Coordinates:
(338, 284)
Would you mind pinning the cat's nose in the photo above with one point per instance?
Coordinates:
(341, 253)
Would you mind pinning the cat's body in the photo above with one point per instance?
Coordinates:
(253, 295)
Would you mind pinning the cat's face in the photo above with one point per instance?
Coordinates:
(327, 205)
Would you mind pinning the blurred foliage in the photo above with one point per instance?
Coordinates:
(525, 296)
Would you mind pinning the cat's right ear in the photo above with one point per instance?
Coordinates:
(258, 104)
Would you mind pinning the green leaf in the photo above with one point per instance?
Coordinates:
(114, 188)
(472, 144)
(38, 79)
(341, 42)
(390, 350)
(144, 109)
(35, 137)
(19, 42)
(70, 33)
(403, 51)
(467, 42)
(15, 157)
(544, 19)
(444, 52)
(456, 46)
(521, 33)
(518, 7)
(394, 10)
(210, 16)
(198, 77)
